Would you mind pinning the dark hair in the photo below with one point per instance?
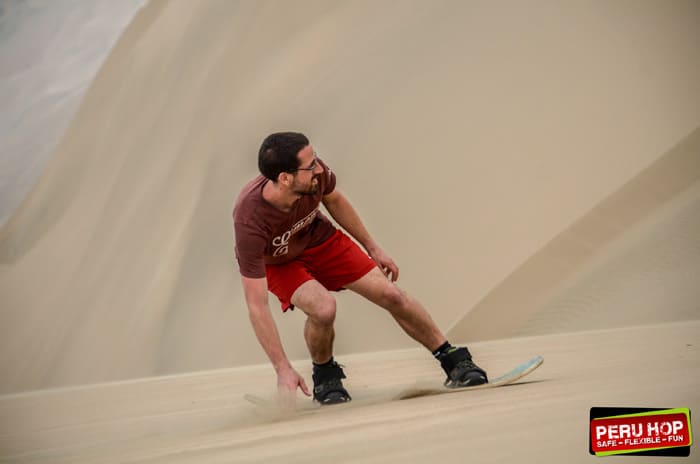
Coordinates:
(278, 153)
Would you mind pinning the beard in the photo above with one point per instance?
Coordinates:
(311, 188)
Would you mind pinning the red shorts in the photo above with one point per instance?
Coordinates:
(335, 263)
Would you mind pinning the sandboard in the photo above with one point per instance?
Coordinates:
(256, 400)
(273, 408)
(432, 388)
(427, 388)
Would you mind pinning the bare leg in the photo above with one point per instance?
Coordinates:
(319, 306)
(407, 311)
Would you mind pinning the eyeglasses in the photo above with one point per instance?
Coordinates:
(311, 167)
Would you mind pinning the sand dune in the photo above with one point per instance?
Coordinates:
(203, 418)
(532, 168)
(128, 233)
(632, 259)
(49, 55)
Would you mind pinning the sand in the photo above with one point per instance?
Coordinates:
(203, 417)
(50, 52)
(533, 169)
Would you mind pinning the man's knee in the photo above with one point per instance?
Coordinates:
(317, 302)
(323, 311)
(393, 298)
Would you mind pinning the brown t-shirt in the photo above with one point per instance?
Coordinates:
(266, 235)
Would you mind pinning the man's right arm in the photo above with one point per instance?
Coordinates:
(255, 291)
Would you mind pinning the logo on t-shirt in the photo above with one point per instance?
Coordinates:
(281, 242)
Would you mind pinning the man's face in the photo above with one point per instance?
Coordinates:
(306, 177)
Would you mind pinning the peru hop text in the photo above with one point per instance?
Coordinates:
(651, 430)
(642, 433)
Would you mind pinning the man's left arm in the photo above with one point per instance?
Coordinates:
(345, 215)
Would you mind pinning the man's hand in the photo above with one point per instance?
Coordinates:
(345, 215)
(385, 263)
(288, 380)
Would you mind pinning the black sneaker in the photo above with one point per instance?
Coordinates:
(461, 370)
(328, 385)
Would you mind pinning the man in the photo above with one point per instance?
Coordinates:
(285, 244)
